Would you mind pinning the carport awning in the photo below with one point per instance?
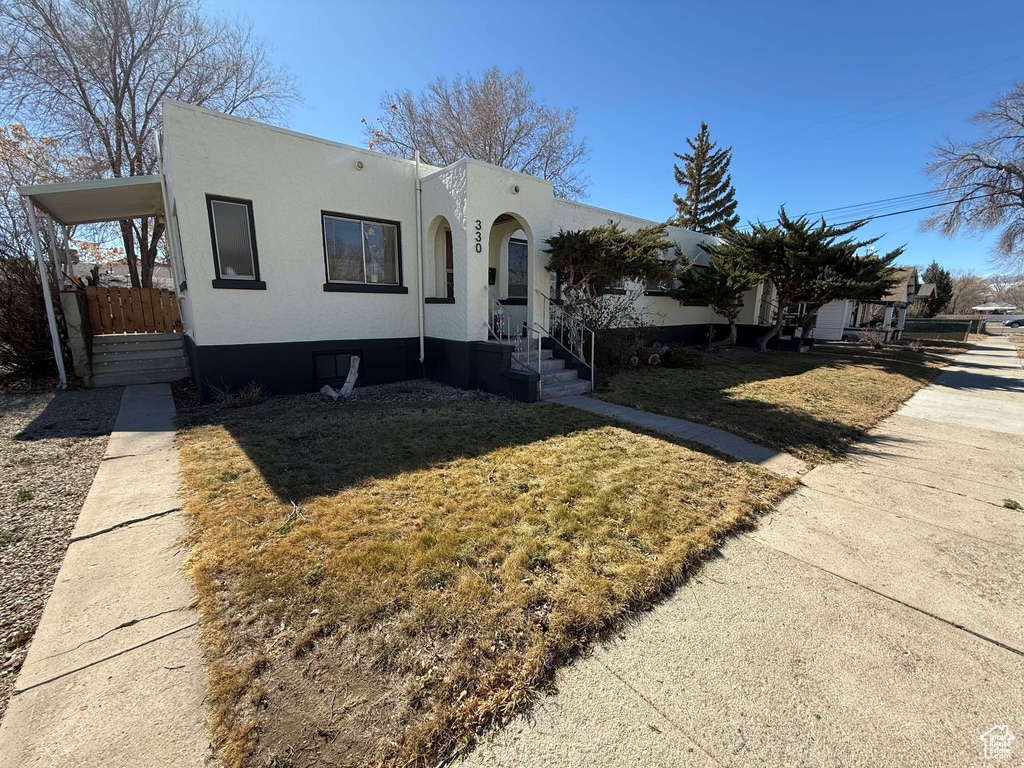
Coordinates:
(90, 202)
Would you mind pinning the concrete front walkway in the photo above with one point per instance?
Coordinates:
(114, 676)
(681, 429)
(876, 618)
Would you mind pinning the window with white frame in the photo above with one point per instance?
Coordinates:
(233, 234)
(361, 251)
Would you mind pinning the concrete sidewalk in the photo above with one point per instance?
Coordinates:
(681, 429)
(877, 618)
(114, 676)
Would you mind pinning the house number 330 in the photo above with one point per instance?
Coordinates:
(479, 237)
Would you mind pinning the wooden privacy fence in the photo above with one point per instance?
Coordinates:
(132, 310)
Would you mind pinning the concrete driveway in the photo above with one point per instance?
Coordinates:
(875, 619)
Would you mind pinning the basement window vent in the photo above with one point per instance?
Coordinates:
(332, 367)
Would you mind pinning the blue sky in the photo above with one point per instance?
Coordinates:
(825, 104)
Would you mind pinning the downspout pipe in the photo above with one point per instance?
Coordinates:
(419, 256)
(47, 298)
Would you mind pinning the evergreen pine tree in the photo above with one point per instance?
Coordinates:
(709, 205)
(943, 292)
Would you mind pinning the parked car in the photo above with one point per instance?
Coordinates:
(1014, 321)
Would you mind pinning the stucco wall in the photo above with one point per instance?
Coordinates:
(444, 205)
(290, 179)
(657, 310)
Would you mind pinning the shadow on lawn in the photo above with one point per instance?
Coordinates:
(751, 395)
(304, 452)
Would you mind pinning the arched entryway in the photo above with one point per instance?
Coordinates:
(510, 261)
(439, 277)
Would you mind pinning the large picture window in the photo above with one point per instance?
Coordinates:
(233, 233)
(361, 254)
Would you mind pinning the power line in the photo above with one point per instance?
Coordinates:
(874, 206)
(925, 207)
(906, 114)
(916, 209)
(888, 100)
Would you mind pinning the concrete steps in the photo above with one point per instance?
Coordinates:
(570, 388)
(137, 358)
(556, 379)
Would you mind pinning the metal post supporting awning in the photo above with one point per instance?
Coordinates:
(85, 202)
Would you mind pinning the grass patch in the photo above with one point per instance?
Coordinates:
(23, 495)
(11, 536)
(379, 583)
(812, 405)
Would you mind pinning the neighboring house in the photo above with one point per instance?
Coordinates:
(291, 254)
(846, 319)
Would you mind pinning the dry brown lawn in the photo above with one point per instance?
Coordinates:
(379, 583)
(812, 405)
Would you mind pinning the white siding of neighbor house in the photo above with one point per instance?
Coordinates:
(832, 320)
(290, 179)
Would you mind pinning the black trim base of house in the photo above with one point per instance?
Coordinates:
(289, 367)
(478, 365)
(439, 300)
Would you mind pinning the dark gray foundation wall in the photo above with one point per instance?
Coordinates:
(290, 367)
(478, 365)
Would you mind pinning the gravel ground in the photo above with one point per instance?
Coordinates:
(50, 447)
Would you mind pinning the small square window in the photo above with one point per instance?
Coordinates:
(331, 367)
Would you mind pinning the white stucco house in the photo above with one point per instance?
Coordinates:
(291, 254)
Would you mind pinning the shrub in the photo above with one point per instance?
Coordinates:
(25, 345)
(615, 347)
(249, 395)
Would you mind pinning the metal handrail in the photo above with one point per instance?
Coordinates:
(573, 326)
(498, 320)
(499, 327)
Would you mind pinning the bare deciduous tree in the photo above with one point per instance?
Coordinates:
(1008, 289)
(969, 290)
(495, 119)
(984, 179)
(24, 331)
(92, 73)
